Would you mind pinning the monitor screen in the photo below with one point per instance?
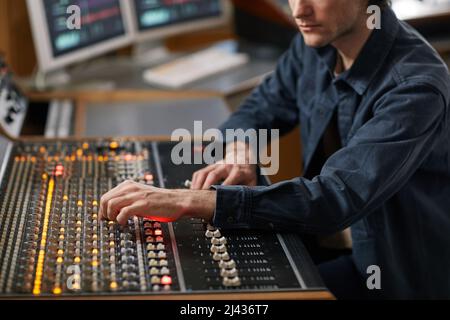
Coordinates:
(152, 14)
(101, 20)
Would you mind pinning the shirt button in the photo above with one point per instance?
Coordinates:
(230, 219)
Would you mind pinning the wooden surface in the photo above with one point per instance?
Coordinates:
(300, 295)
(16, 41)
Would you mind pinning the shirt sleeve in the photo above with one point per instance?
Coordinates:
(378, 161)
(272, 105)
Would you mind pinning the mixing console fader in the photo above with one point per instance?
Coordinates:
(53, 244)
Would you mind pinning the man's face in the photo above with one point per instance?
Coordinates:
(324, 21)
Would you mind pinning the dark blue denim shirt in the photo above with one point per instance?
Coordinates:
(390, 181)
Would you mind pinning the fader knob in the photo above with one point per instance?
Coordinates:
(231, 273)
(227, 264)
(220, 248)
(231, 282)
(219, 241)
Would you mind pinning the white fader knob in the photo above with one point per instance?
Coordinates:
(188, 183)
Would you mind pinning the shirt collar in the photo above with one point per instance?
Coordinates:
(371, 57)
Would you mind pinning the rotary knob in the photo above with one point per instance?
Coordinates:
(220, 248)
(221, 256)
(219, 241)
(231, 282)
(227, 264)
(230, 273)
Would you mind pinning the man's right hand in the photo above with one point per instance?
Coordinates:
(237, 168)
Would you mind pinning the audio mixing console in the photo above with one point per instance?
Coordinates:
(52, 243)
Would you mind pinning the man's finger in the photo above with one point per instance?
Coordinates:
(215, 176)
(116, 204)
(199, 177)
(138, 208)
(233, 178)
(119, 190)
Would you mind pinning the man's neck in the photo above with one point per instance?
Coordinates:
(350, 45)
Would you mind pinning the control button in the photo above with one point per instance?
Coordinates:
(155, 280)
(231, 282)
(218, 241)
(221, 256)
(209, 234)
(156, 288)
(160, 246)
(166, 280)
(153, 263)
(154, 271)
(165, 270)
(151, 247)
(188, 183)
(227, 264)
(162, 255)
(220, 248)
(157, 225)
(163, 263)
(231, 273)
(151, 254)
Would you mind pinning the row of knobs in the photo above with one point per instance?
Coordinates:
(228, 271)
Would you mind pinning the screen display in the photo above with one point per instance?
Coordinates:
(99, 20)
(157, 13)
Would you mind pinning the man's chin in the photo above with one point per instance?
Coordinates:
(314, 41)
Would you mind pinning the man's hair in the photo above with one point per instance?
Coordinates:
(381, 3)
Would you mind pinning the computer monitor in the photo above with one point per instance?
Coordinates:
(105, 26)
(155, 19)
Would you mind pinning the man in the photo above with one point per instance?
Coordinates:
(373, 110)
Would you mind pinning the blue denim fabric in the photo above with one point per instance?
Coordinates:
(390, 181)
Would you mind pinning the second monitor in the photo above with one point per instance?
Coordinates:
(160, 18)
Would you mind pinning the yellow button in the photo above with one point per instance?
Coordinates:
(95, 203)
(60, 252)
(95, 263)
(65, 198)
(57, 290)
(114, 145)
(80, 203)
(94, 251)
(113, 285)
(77, 260)
(59, 260)
(85, 145)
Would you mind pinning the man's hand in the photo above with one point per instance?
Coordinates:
(238, 168)
(130, 199)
